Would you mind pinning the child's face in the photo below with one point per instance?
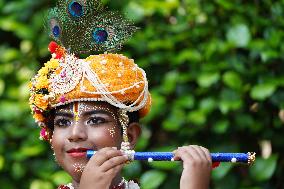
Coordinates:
(81, 126)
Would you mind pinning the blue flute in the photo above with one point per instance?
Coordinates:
(248, 158)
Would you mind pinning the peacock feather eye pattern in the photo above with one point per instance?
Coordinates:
(56, 31)
(100, 35)
(75, 9)
(54, 25)
(84, 26)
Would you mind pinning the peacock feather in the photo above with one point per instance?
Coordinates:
(83, 26)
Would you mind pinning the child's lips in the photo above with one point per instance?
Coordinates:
(78, 152)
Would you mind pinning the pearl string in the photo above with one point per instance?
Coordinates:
(96, 82)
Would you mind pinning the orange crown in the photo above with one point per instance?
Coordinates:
(64, 79)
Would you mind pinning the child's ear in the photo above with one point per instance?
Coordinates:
(133, 132)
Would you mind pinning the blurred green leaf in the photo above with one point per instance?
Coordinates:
(226, 4)
(144, 138)
(2, 86)
(221, 171)
(263, 169)
(230, 100)
(186, 101)
(21, 30)
(208, 79)
(132, 170)
(31, 150)
(239, 35)
(9, 110)
(262, 91)
(174, 121)
(268, 55)
(207, 105)
(39, 184)
(196, 117)
(18, 170)
(2, 161)
(170, 82)
(134, 11)
(152, 179)
(221, 126)
(233, 80)
(61, 177)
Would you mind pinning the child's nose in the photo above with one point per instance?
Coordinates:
(77, 133)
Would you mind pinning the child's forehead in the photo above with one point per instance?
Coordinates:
(87, 106)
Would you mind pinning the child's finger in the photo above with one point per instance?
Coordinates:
(113, 171)
(113, 162)
(104, 154)
(182, 154)
(199, 152)
(193, 151)
(207, 154)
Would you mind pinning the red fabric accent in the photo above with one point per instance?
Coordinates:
(215, 165)
(63, 187)
(119, 187)
(59, 54)
(52, 47)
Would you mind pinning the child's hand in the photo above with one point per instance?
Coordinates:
(102, 168)
(197, 166)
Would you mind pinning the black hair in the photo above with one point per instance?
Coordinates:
(133, 117)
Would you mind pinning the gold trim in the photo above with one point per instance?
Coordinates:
(251, 157)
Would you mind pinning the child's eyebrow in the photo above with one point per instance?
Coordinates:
(64, 114)
(88, 113)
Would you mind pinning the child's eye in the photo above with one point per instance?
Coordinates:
(96, 121)
(62, 122)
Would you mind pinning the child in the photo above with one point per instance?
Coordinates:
(95, 103)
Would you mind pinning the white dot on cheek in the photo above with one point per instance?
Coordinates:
(112, 131)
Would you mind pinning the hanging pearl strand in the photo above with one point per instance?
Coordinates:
(125, 145)
(108, 97)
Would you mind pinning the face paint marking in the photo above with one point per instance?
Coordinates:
(111, 132)
(75, 111)
(79, 168)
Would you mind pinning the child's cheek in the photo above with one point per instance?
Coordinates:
(104, 137)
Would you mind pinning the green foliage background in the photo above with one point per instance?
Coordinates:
(215, 69)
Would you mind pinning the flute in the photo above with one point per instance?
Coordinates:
(247, 158)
